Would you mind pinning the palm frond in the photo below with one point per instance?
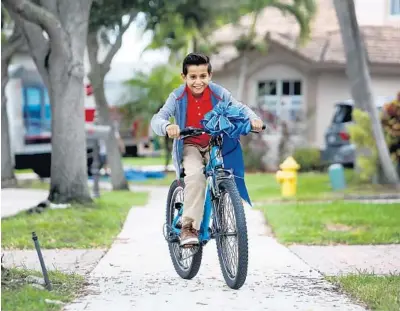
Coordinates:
(302, 17)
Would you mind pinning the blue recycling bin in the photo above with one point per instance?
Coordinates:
(337, 177)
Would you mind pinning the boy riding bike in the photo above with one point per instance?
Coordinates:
(188, 104)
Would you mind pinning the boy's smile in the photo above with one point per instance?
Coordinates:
(197, 78)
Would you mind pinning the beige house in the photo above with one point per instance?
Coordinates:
(312, 78)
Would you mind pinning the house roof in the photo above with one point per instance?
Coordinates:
(324, 46)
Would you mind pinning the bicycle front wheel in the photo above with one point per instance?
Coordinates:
(231, 237)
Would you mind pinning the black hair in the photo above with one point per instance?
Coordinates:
(196, 59)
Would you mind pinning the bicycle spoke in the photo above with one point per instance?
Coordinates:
(228, 235)
(183, 256)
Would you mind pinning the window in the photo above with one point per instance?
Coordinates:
(291, 87)
(343, 113)
(37, 111)
(280, 100)
(394, 7)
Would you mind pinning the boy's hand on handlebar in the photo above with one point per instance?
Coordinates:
(257, 125)
(173, 131)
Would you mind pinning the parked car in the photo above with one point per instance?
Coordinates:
(338, 148)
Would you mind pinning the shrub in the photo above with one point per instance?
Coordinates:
(308, 158)
(390, 119)
(254, 151)
(362, 137)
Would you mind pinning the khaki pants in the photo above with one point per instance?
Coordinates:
(194, 160)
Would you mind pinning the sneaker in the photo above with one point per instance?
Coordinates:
(189, 236)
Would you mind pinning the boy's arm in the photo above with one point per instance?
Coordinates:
(160, 120)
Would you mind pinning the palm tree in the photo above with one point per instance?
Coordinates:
(185, 27)
(360, 82)
(302, 10)
(150, 91)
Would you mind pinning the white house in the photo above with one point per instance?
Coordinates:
(312, 78)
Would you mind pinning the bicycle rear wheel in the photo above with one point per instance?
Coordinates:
(231, 237)
(186, 261)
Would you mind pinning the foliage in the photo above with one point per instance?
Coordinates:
(302, 10)
(390, 118)
(361, 136)
(183, 26)
(253, 154)
(308, 158)
(107, 14)
(151, 90)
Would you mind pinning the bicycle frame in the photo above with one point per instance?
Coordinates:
(212, 171)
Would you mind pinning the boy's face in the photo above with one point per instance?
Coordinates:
(197, 78)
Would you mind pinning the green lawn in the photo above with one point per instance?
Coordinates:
(377, 292)
(264, 187)
(310, 186)
(141, 161)
(75, 227)
(18, 295)
(33, 184)
(23, 171)
(337, 222)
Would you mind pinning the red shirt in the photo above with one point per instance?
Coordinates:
(196, 109)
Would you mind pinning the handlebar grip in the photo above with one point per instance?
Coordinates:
(185, 132)
(191, 131)
(263, 128)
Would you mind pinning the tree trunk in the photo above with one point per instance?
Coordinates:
(14, 42)
(69, 180)
(114, 160)
(360, 80)
(242, 76)
(195, 45)
(7, 169)
(68, 158)
(98, 71)
(59, 59)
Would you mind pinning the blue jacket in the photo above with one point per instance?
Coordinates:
(176, 106)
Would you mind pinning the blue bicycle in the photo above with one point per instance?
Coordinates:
(223, 220)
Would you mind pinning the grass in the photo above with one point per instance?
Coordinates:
(23, 171)
(143, 161)
(18, 295)
(377, 292)
(334, 223)
(33, 184)
(263, 187)
(92, 226)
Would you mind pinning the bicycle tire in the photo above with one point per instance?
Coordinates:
(195, 264)
(228, 186)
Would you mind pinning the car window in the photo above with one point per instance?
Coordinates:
(342, 114)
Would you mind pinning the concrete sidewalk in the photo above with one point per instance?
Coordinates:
(344, 259)
(15, 200)
(137, 274)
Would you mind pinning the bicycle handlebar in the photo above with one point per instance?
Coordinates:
(192, 131)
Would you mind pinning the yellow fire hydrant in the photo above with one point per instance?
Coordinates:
(287, 177)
